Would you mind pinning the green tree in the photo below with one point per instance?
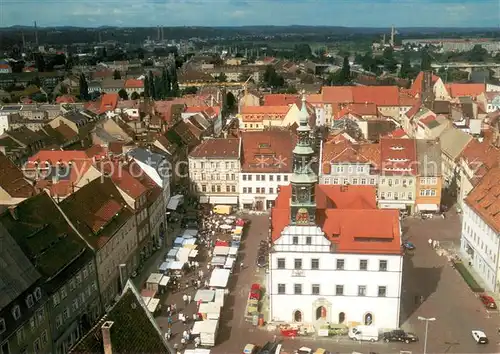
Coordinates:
(390, 63)
(272, 79)
(123, 94)
(146, 87)
(405, 66)
(425, 60)
(151, 81)
(158, 88)
(84, 87)
(117, 75)
(230, 102)
(345, 72)
(134, 96)
(174, 82)
(358, 59)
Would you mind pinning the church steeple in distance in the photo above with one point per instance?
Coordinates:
(304, 179)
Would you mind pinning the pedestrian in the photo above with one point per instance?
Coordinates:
(206, 283)
(197, 342)
(434, 244)
(200, 273)
(195, 317)
(198, 283)
(274, 338)
(241, 265)
(196, 264)
(169, 321)
(189, 299)
(430, 242)
(183, 343)
(185, 299)
(176, 346)
(181, 316)
(174, 308)
(184, 319)
(208, 267)
(184, 334)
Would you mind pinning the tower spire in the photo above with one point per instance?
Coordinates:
(303, 179)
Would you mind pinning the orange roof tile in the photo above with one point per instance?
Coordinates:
(133, 83)
(484, 199)
(120, 174)
(66, 99)
(465, 90)
(398, 157)
(348, 152)
(264, 110)
(315, 98)
(337, 94)
(379, 95)
(279, 99)
(481, 156)
(416, 87)
(109, 101)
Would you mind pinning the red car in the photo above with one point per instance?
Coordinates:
(488, 301)
(255, 292)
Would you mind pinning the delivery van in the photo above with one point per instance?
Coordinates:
(223, 209)
(364, 333)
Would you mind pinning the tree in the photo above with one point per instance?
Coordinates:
(358, 59)
(117, 75)
(39, 62)
(146, 87)
(158, 89)
(230, 102)
(405, 66)
(151, 81)
(123, 94)
(166, 84)
(134, 96)
(84, 87)
(222, 77)
(425, 60)
(272, 79)
(345, 72)
(190, 90)
(174, 82)
(390, 63)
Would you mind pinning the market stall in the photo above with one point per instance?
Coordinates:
(218, 261)
(220, 295)
(178, 241)
(219, 278)
(183, 255)
(233, 252)
(193, 253)
(190, 233)
(163, 267)
(204, 295)
(229, 263)
(221, 251)
(154, 281)
(209, 311)
(189, 242)
(153, 305)
(207, 330)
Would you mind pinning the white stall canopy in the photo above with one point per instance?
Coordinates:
(174, 202)
(189, 241)
(164, 281)
(229, 263)
(220, 294)
(197, 351)
(218, 261)
(233, 251)
(153, 304)
(146, 300)
(163, 267)
(190, 232)
(210, 309)
(193, 253)
(173, 252)
(221, 250)
(183, 255)
(219, 278)
(153, 281)
(204, 295)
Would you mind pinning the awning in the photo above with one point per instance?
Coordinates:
(204, 199)
(428, 207)
(224, 200)
(173, 203)
(392, 206)
(247, 201)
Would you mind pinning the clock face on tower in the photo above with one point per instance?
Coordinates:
(302, 195)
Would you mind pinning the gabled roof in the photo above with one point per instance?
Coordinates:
(218, 148)
(134, 330)
(97, 210)
(265, 110)
(465, 90)
(481, 156)
(267, 151)
(109, 101)
(12, 179)
(398, 157)
(416, 87)
(347, 152)
(279, 99)
(453, 142)
(122, 176)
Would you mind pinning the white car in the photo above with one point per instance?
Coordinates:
(479, 336)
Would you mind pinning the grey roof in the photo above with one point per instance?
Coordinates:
(148, 157)
(453, 142)
(17, 273)
(429, 157)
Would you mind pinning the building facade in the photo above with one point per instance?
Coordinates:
(321, 269)
(266, 165)
(429, 182)
(214, 171)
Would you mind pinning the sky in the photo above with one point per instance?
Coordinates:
(349, 13)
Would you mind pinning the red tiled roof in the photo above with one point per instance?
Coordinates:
(349, 153)
(105, 213)
(12, 179)
(119, 173)
(416, 87)
(279, 99)
(481, 156)
(337, 94)
(133, 83)
(465, 90)
(484, 199)
(413, 110)
(398, 157)
(379, 95)
(397, 133)
(267, 151)
(358, 109)
(65, 99)
(109, 101)
(218, 148)
(339, 211)
(282, 110)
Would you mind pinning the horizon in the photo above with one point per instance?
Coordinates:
(371, 14)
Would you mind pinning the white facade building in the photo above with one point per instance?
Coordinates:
(306, 277)
(259, 190)
(480, 241)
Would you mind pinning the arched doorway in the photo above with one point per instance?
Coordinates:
(297, 316)
(321, 313)
(341, 317)
(368, 320)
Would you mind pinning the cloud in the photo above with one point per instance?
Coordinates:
(353, 13)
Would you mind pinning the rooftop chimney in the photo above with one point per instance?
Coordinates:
(13, 212)
(106, 337)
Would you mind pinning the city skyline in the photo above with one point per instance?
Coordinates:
(357, 13)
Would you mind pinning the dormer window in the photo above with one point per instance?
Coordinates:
(38, 294)
(16, 312)
(397, 148)
(29, 301)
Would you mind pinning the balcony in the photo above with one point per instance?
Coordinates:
(298, 273)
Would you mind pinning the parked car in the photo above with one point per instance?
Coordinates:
(408, 245)
(399, 336)
(250, 349)
(479, 336)
(488, 301)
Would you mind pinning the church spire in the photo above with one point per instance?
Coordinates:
(304, 179)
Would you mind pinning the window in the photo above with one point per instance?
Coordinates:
(58, 321)
(281, 288)
(372, 181)
(249, 189)
(75, 304)
(71, 285)
(354, 181)
(308, 240)
(315, 289)
(340, 264)
(285, 178)
(228, 189)
(66, 314)
(315, 263)
(382, 266)
(20, 336)
(5, 349)
(94, 286)
(218, 188)
(213, 188)
(249, 177)
(281, 263)
(203, 187)
(2, 325)
(82, 297)
(38, 294)
(382, 291)
(363, 264)
(85, 273)
(40, 315)
(363, 181)
(257, 177)
(339, 290)
(297, 289)
(362, 290)
(297, 263)
(45, 337)
(55, 298)
(29, 301)
(271, 190)
(271, 178)
(244, 189)
(278, 178)
(295, 240)
(16, 312)
(32, 324)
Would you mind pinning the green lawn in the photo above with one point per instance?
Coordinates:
(469, 279)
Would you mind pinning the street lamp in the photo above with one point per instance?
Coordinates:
(427, 320)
